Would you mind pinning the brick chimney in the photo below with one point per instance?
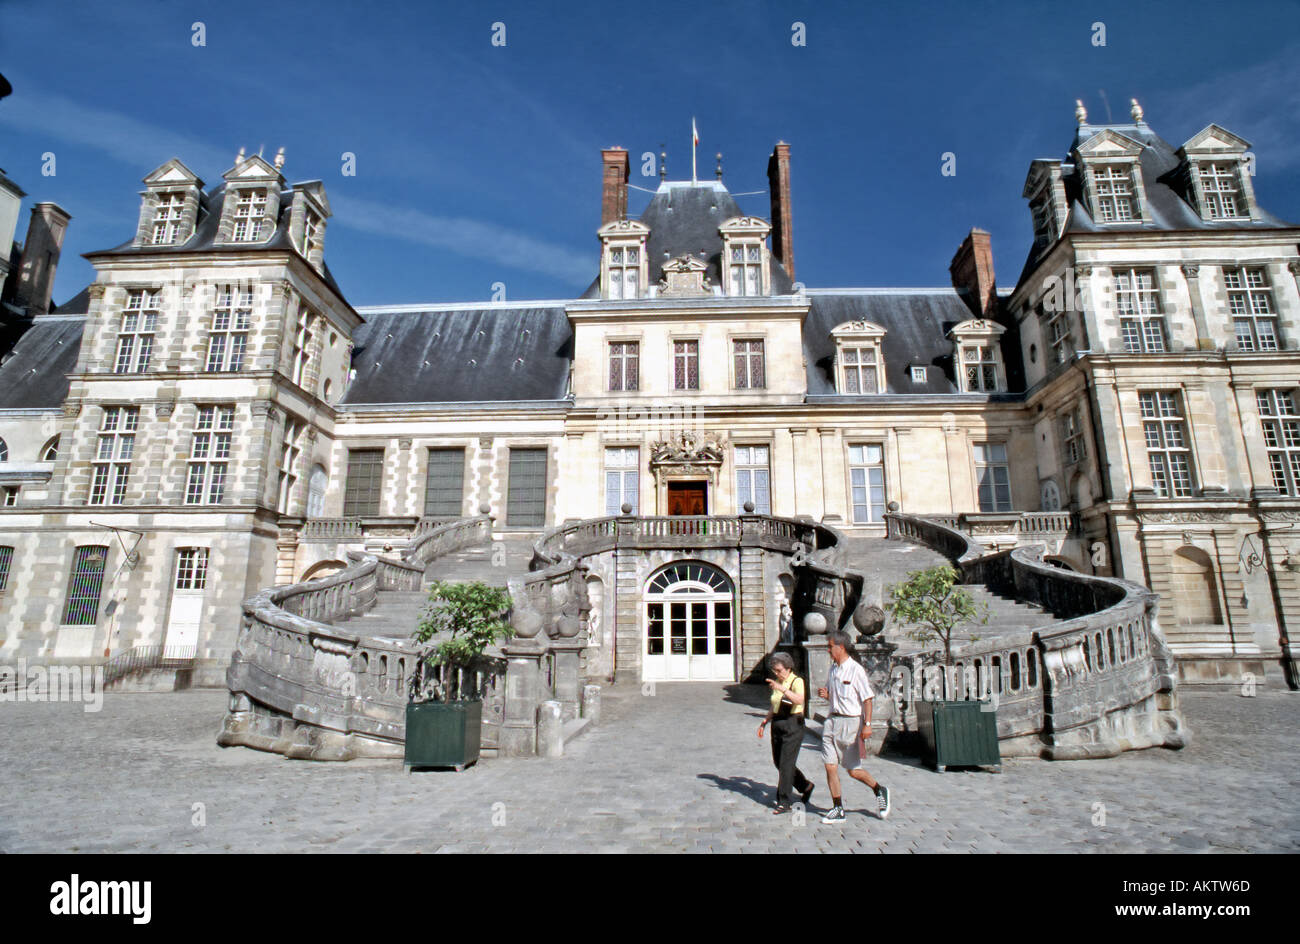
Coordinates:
(778, 179)
(972, 273)
(613, 197)
(40, 257)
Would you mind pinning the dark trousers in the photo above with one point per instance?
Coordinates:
(787, 736)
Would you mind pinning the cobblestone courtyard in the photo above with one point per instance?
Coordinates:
(679, 771)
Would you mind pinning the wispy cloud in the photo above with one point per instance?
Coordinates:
(145, 145)
(126, 139)
(466, 237)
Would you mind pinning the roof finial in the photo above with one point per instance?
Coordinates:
(1080, 113)
(719, 165)
(239, 158)
(1136, 110)
(279, 158)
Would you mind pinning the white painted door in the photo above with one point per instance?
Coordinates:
(189, 588)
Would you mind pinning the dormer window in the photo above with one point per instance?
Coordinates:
(1113, 190)
(744, 251)
(860, 365)
(167, 215)
(250, 211)
(1045, 192)
(623, 264)
(1221, 191)
(1044, 221)
(977, 348)
(1214, 175)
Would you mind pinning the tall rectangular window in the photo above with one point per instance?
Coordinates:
(191, 568)
(686, 365)
(1221, 191)
(250, 211)
(6, 559)
(526, 490)
(1138, 303)
(753, 479)
(114, 447)
(625, 272)
(1280, 420)
(1060, 340)
(1072, 436)
(993, 476)
(81, 607)
(622, 479)
(859, 370)
(364, 484)
(750, 370)
(624, 358)
(1114, 191)
(228, 339)
(205, 482)
(1250, 302)
(444, 486)
(302, 338)
(311, 226)
(867, 483)
(745, 269)
(167, 218)
(136, 337)
(289, 452)
(1167, 445)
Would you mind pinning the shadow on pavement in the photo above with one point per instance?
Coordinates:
(761, 793)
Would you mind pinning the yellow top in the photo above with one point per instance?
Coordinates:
(793, 683)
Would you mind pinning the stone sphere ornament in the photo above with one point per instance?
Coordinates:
(626, 508)
(869, 620)
(814, 624)
(485, 509)
(749, 507)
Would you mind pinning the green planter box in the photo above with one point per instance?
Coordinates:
(958, 734)
(443, 734)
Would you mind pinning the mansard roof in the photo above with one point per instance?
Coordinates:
(916, 323)
(34, 374)
(1163, 180)
(684, 218)
(465, 354)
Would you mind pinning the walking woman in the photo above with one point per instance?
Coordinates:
(786, 717)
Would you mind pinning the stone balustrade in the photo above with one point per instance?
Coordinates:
(1100, 682)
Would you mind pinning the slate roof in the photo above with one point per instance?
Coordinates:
(35, 373)
(916, 323)
(684, 218)
(205, 232)
(1168, 203)
(461, 355)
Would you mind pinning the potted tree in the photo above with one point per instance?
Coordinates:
(444, 713)
(954, 733)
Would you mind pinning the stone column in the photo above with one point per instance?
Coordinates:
(568, 682)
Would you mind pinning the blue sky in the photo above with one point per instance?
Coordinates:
(479, 164)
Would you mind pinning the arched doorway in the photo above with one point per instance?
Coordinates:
(689, 628)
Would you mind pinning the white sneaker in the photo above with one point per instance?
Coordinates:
(834, 815)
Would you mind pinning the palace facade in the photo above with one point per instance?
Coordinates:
(211, 416)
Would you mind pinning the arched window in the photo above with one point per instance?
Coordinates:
(50, 451)
(4, 451)
(689, 632)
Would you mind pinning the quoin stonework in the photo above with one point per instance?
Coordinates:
(211, 419)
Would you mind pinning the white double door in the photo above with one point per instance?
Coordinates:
(689, 640)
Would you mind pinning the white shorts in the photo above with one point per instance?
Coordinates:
(840, 742)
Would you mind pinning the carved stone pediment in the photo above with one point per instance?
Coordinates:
(688, 448)
(684, 278)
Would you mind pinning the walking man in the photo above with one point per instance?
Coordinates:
(848, 725)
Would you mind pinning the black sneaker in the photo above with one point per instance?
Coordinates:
(882, 798)
(780, 808)
(834, 815)
(803, 797)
